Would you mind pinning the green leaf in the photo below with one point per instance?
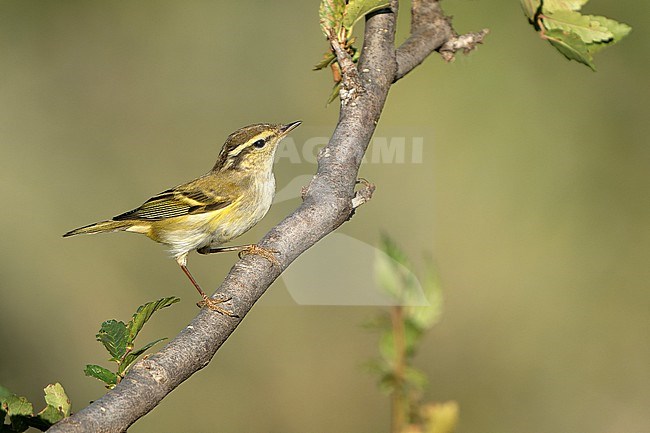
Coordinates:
(571, 46)
(18, 409)
(415, 378)
(56, 397)
(386, 274)
(113, 335)
(618, 30)
(101, 373)
(584, 26)
(530, 7)
(390, 268)
(388, 246)
(328, 58)
(46, 418)
(144, 313)
(330, 13)
(563, 5)
(17, 406)
(132, 356)
(357, 9)
(387, 382)
(334, 94)
(412, 336)
(426, 316)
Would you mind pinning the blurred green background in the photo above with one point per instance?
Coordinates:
(532, 197)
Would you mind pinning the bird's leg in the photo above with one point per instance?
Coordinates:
(212, 304)
(244, 250)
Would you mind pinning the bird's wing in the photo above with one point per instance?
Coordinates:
(188, 199)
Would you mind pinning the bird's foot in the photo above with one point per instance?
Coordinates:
(215, 305)
(259, 251)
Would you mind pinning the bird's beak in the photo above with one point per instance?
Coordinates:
(285, 129)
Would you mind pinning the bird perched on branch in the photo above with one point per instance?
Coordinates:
(213, 209)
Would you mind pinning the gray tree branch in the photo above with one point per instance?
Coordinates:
(431, 30)
(328, 201)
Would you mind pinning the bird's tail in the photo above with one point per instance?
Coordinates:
(100, 227)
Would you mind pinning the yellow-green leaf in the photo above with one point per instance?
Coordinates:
(571, 46)
(132, 356)
(144, 313)
(618, 30)
(328, 58)
(530, 8)
(17, 406)
(330, 13)
(56, 397)
(357, 9)
(588, 29)
(101, 373)
(563, 5)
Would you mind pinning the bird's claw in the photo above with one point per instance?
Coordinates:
(259, 251)
(215, 305)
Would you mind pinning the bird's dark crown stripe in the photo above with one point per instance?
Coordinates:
(246, 146)
(239, 143)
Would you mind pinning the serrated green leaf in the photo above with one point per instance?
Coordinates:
(357, 9)
(113, 335)
(101, 373)
(530, 7)
(144, 313)
(330, 13)
(46, 418)
(132, 356)
(56, 397)
(618, 30)
(588, 29)
(18, 406)
(17, 409)
(563, 5)
(571, 46)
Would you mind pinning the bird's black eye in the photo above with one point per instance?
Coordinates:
(259, 143)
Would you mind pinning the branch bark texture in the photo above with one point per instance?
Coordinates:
(328, 201)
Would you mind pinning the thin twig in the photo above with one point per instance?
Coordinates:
(351, 86)
(464, 43)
